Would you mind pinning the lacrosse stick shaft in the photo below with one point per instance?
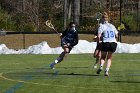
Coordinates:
(49, 24)
(55, 31)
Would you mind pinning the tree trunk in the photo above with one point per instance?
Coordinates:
(69, 10)
(76, 11)
(36, 14)
(65, 13)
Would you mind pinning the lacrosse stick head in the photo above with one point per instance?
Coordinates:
(49, 24)
(98, 16)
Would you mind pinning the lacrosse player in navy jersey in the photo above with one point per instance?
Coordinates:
(97, 52)
(108, 32)
(69, 38)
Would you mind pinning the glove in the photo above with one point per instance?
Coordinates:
(60, 34)
(68, 44)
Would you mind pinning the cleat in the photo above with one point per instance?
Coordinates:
(99, 70)
(106, 73)
(52, 65)
(95, 66)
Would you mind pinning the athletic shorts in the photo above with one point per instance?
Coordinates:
(98, 47)
(98, 50)
(109, 46)
(63, 43)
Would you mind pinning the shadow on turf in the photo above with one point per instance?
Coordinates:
(73, 74)
(72, 67)
(42, 68)
(44, 74)
(125, 81)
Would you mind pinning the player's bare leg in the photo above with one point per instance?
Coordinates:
(60, 58)
(109, 61)
(102, 61)
(97, 61)
(97, 55)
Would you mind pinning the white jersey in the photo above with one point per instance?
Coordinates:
(108, 32)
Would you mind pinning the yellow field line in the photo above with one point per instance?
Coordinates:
(1, 76)
(94, 88)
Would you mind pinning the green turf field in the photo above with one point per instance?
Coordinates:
(31, 74)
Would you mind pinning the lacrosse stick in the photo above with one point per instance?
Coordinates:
(98, 17)
(49, 24)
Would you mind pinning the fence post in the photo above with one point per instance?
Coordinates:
(23, 40)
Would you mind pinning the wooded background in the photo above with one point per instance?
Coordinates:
(30, 15)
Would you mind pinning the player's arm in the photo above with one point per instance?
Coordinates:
(99, 38)
(116, 32)
(95, 36)
(64, 33)
(76, 40)
(100, 31)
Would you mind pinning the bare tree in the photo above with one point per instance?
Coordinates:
(76, 11)
(69, 10)
(65, 13)
(71, 7)
(31, 10)
(24, 11)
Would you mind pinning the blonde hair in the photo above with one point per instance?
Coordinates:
(105, 15)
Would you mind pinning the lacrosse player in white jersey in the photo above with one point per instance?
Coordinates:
(108, 32)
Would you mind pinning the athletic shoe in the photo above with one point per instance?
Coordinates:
(95, 66)
(99, 70)
(106, 73)
(52, 65)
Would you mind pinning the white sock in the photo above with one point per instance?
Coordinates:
(56, 61)
(107, 69)
(101, 67)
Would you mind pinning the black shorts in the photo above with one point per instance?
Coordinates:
(99, 46)
(63, 43)
(109, 46)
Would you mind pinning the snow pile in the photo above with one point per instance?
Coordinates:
(82, 47)
(128, 48)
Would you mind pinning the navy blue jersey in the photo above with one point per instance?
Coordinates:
(70, 36)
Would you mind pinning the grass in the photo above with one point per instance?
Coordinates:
(31, 74)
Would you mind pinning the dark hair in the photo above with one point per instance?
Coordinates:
(71, 23)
